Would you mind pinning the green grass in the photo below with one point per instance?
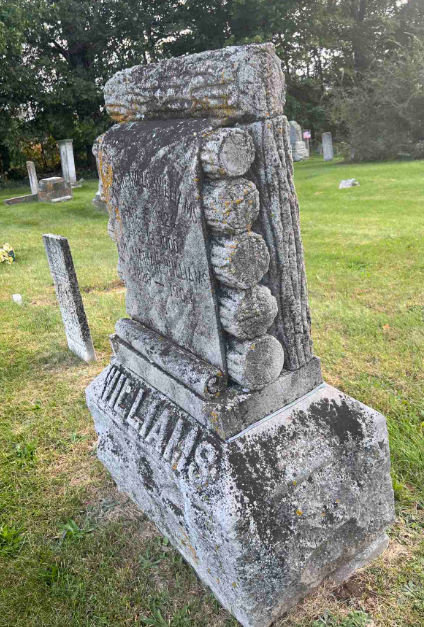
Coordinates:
(75, 552)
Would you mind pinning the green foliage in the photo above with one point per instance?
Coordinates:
(383, 116)
(72, 531)
(354, 619)
(11, 540)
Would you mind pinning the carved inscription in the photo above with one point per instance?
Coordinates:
(161, 425)
(156, 215)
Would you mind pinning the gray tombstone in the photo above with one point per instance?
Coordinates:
(54, 189)
(327, 146)
(67, 161)
(99, 200)
(69, 297)
(299, 150)
(32, 174)
(212, 414)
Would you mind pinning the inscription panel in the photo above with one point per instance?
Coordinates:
(158, 424)
(153, 196)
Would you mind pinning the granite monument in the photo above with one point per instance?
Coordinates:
(213, 415)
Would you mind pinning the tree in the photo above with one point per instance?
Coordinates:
(383, 116)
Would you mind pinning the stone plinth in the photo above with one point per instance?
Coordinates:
(299, 150)
(32, 175)
(327, 147)
(69, 297)
(213, 415)
(54, 189)
(67, 161)
(18, 200)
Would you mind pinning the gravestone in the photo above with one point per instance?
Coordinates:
(32, 174)
(327, 147)
(69, 297)
(212, 414)
(99, 200)
(54, 189)
(299, 150)
(66, 150)
(348, 183)
(18, 200)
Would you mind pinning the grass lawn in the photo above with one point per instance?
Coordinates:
(74, 552)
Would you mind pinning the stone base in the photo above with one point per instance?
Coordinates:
(54, 188)
(99, 204)
(302, 496)
(299, 151)
(18, 200)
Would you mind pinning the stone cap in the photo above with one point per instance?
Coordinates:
(238, 83)
(63, 141)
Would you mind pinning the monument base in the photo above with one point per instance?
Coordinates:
(99, 204)
(302, 496)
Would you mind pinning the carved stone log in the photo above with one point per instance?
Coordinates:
(232, 84)
(279, 225)
(240, 262)
(231, 206)
(227, 152)
(255, 364)
(247, 313)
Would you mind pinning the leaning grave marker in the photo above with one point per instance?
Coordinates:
(213, 415)
(69, 297)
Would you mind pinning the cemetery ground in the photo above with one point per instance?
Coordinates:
(75, 552)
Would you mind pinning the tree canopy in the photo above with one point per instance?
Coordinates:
(56, 56)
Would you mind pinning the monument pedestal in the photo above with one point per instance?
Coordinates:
(301, 496)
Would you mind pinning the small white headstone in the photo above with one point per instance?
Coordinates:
(348, 183)
(32, 175)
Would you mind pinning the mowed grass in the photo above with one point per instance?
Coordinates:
(73, 552)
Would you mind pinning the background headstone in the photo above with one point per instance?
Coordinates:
(99, 200)
(69, 297)
(348, 183)
(222, 437)
(17, 200)
(54, 189)
(32, 174)
(67, 161)
(327, 146)
(298, 146)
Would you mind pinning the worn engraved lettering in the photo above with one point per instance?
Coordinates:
(157, 423)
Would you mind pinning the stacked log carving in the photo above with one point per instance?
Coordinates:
(240, 259)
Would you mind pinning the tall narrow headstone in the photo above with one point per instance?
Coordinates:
(67, 161)
(327, 146)
(32, 175)
(99, 200)
(69, 297)
(213, 415)
(298, 146)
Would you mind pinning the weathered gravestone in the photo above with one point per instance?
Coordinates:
(54, 189)
(66, 150)
(69, 297)
(213, 415)
(32, 175)
(99, 200)
(327, 146)
(298, 146)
